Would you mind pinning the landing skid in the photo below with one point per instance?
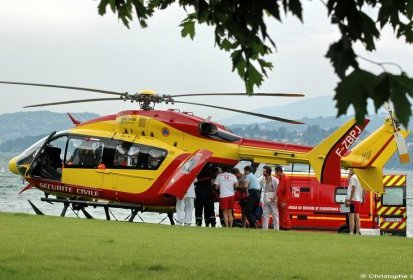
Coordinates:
(36, 210)
(79, 205)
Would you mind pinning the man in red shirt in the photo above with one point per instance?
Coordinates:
(283, 195)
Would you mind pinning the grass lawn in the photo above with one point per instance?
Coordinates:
(44, 247)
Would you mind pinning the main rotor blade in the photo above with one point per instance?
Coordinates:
(67, 87)
(243, 112)
(72, 101)
(244, 94)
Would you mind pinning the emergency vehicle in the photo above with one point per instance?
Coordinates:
(315, 206)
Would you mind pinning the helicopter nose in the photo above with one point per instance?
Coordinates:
(13, 166)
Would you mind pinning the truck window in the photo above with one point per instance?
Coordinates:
(392, 196)
(300, 168)
(340, 195)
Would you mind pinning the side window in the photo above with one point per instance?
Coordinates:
(121, 156)
(72, 145)
(60, 146)
(128, 155)
(393, 196)
(134, 155)
(143, 159)
(340, 195)
(156, 156)
(84, 152)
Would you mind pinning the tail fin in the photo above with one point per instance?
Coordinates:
(370, 155)
(74, 121)
(325, 158)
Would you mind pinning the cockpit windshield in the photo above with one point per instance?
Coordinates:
(27, 155)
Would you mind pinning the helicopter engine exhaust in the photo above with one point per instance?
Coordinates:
(208, 128)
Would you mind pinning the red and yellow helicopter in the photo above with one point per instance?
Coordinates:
(144, 159)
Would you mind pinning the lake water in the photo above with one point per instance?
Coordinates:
(11, 201)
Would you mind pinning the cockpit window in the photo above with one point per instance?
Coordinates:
(29, 153)
(50, 159)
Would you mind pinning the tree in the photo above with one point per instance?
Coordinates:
(240, 30)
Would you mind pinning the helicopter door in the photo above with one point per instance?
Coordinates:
(83, 156)
(181, 179)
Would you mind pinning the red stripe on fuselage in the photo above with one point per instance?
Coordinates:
(330, 171)
(101, 119)
(274, 145)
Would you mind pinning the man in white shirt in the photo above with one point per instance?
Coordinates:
(226, 182)
(354, 198)
(254, 196)
(269, 205)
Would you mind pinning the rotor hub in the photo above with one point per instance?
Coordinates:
(147, 99)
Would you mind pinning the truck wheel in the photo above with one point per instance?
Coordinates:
(343, 229)
(237, 223)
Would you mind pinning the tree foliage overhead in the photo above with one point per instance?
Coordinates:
(240, 29)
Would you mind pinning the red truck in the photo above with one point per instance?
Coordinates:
(315, 206)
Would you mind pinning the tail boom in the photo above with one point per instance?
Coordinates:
(326, 157)
(370, 156)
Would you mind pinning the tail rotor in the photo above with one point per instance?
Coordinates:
(400, 140)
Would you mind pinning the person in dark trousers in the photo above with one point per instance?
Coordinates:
(254, 196)
(354, 198)
(204, 199)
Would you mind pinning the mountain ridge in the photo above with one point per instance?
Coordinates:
(34, 123)
(319, 106)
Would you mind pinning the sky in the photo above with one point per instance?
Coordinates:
(66, 42)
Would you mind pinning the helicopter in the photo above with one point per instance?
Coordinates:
(144, 159)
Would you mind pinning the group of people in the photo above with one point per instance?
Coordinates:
(231, 185)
